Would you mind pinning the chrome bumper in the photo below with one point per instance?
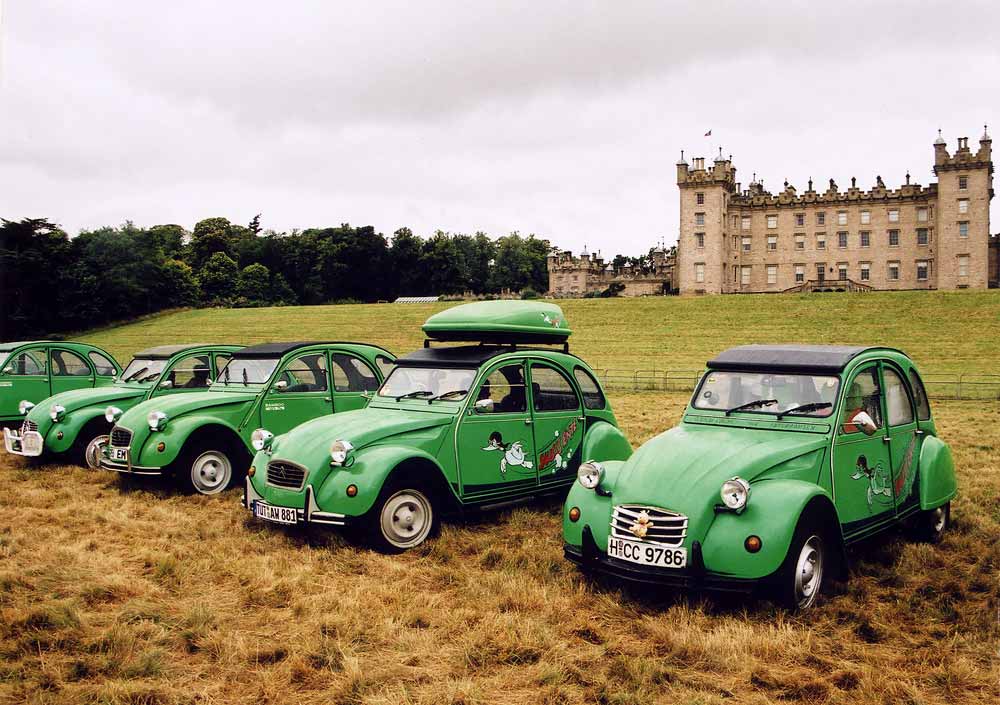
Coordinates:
(308, 514)
(14, 443)
(127, 467)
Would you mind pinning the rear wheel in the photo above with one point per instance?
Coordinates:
(932, 523)
(800, 577)
(206, 471)
(402, 518)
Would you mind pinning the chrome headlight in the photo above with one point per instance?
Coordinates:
(56, 412)
(590, 474)
(24, 407)
(735, 494)
(157, 420)
(261, 439)
(339, 452)
(112, 414)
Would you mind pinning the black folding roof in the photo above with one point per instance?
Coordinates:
(7, 347)
(279, 349)
(165, 352)
(459, 356)
(790, 358)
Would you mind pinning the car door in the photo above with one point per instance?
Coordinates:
(496, 446)
(353, 379)
(69, 371)
(304, 395)
(25, 376)
(862, 473)
(557, 413)
(904, 440)
(190, 373)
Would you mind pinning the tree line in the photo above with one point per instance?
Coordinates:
(51, 283)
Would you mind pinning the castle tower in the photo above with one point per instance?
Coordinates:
(701, 244)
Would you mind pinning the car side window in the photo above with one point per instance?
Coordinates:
(551, 390)
(351, 374)
(593, 397)
(30, 363)
(864, 394)
(69, 364)
(191, 372)
(923, 405)
(385, 365)
(307, 373)
(104, 366)
(221, 360)
(897, 398)
(505, 386)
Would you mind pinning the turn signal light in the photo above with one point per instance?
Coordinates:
(161, 446)
(352, 490)
(574, 514)
(752, 544)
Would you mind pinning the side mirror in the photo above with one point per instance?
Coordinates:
(484, 406)
(166, 384)
(864, 423)
(209, 382)
(280, 386)
(368, 395)
(8, 370)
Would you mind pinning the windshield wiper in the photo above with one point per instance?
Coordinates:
(135, 374)
(755, 404)
(811, 406)
(149, 378)
(445, 395)
(412, 395)
(225, 375)
(245, 377)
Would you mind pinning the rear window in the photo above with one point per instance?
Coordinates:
(104, 366)
(920, 394)
(593, 397)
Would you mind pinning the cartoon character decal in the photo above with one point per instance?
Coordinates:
(558, 454)
(554, 322)
(880, 482)
(513, 453)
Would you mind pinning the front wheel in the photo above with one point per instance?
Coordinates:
(800, 578)
(931, 524)
(402, 518)
(206, 471)
(94, 450)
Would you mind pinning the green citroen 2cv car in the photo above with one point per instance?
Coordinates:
(785, 455)
(453, 427)
(76, 423)
(201, 437)
(34, 371)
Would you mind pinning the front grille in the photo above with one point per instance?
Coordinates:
(28, 427)
(121, 437)
(664, 527)
(285, 475)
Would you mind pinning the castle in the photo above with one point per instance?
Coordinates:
(571, 277)
(735, 240)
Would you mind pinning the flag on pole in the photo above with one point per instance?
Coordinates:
(708, 134)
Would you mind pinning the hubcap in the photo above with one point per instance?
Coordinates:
(938, 519)
(92, 455)
(406, 518)
(809, 572)
(210, 472)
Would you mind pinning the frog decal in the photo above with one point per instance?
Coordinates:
(513, 453)
(879, 481)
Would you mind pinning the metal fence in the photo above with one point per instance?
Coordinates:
(939, 385)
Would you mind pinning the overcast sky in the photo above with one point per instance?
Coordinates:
(563, 119)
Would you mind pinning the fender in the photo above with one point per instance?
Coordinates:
(71, 427)
(605, 441)
(174, 437)
(937, 473)
(773, 512)
(595, 509)
(368, 472)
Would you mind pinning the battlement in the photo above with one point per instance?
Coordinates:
(722, 172)
(565, 260)
(757, 197)
(964, 158)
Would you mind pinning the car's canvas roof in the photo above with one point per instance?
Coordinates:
(7, 347)
(164, 352)
(280, 349)
(791, 358)
(458, 356)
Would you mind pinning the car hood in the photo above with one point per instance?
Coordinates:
(80, 398)
(175, 405)
(684, 468)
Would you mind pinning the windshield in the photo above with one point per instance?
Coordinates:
(791, 394)
(241, 371)
(141, 370)
(427, 382)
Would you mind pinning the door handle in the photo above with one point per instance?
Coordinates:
(885, 439)
(528, 422)
(327, 399)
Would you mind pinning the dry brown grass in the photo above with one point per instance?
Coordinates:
(113, 593)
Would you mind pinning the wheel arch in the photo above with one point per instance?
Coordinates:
(936, 470)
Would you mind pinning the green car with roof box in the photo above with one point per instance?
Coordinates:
(201, 437)
(452, 428)
(75, 424)
(786, 454)
(32, 371)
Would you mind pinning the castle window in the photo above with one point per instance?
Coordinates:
(746, 223)
(963, 182)
(842, 240)
(772, 221)
(866, 238)
(841, 217)
(922, 269)
(700, 198)
(894, 271)
(963, 229)
(800, 273)
(736, 222)
(893, 215)
(699, 272)
(821, 272)
(800, 242)
(821, 219)
(820, 241)
(699, 239)
(800, 219)
(963, 205)
(922, 236)
(745, 275)
(699, 218)
(866, 217)
(866, 271)
(893, 238)
(963, 265)
(921, 215)
(746, 243)
(842, 271)
(772, 274)
(772, 242)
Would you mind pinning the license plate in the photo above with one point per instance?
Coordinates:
(118, 455)
(279, 515)
(31, 444)
(647, 553)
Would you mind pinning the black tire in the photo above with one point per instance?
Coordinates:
(932, 523)
(206, 470)
(403, 517)
(807, 565)
(81, 452)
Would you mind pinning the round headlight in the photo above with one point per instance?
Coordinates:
(24, 407)
(156, 420)
(112, 414)
(57, 411)
(339, 451)
(735, 493)
(590, 474)
(261, 439)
